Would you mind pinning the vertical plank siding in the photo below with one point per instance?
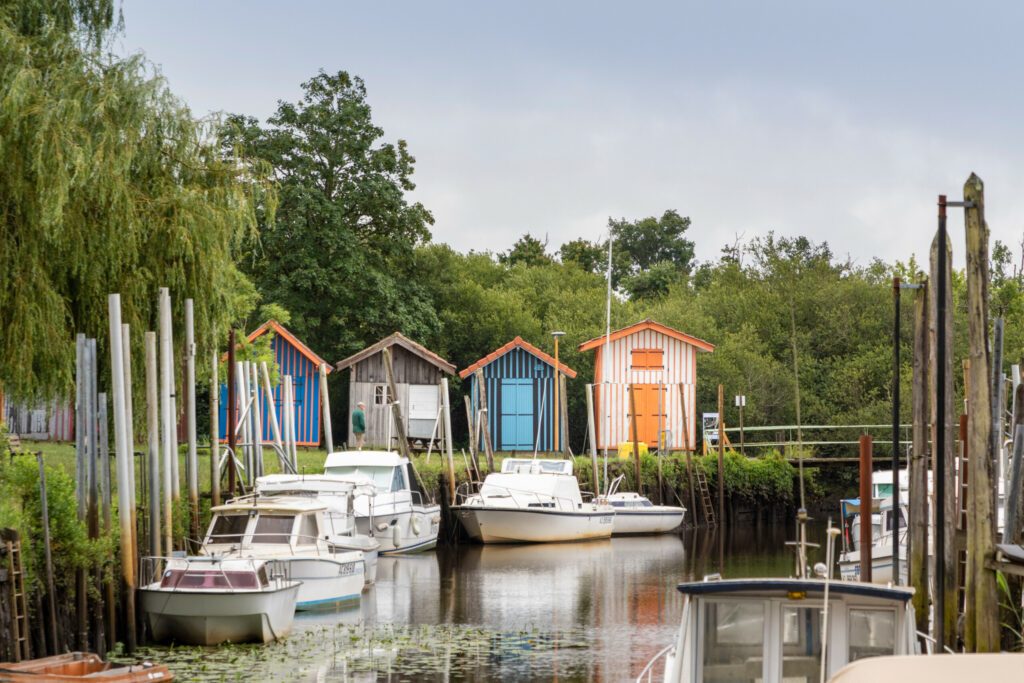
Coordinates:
(519, 364)
(612, 397)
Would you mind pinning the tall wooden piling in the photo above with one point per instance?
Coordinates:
(190, 419)
(325, 402)
(721, 459)
(123, 450)
(896, 340)
(126, 353)
(940, 377)
(636, 440)
(232, 414)
(481, 392)
(689, 452)
(396, 408)
(54, 645)
(592, 439)
(215, 431)
(446, 407)
(918, 568)
(981, 631)
(866, 505)
(81, 480)
(153, 434)
(169, 454)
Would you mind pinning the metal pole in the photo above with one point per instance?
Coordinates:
(123, 466)
(865, 508)
(896, 430)
(126, 351)
(153, 430)
(940, 432)
(591, 424)
(190, 417)
(555, 405)
(275, 426)
(257, 417)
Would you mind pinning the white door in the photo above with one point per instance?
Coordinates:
(423, 403)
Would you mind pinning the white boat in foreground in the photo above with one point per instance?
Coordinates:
(636, 514)
(397, 516)
(210, 600)
(292, 532)
(533, 501)
(770, 630)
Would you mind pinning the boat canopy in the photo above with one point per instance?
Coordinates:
(531, 490)
(774, 587)
(362, 459)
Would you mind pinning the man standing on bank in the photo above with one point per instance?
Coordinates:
(359, 425)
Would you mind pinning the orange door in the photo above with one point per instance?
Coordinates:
(650, 413)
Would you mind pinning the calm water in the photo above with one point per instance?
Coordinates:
(567, 612)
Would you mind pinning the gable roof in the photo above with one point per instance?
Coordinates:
(398, 339)
(280, 330)
(648, 324)
(518, 342)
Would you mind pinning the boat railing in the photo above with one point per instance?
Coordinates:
(930, 644)
(152, 568)
(647, 675)
(518, 496)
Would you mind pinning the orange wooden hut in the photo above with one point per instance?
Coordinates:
(660, 363)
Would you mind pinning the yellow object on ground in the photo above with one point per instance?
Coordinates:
(626, 449)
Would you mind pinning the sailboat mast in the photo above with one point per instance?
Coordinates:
(606, 357)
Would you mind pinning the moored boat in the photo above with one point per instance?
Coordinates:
(533, 501)
(81, 666)
(636, 514)
(398, 515)
(212, 600)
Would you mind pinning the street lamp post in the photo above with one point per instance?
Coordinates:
(557, 405)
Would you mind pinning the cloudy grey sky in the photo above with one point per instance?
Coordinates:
(839, 121)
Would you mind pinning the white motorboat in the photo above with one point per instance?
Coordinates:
(533, 501)
(338, 494)
(397, 516)
(636, 514)
(212, 600)
(883, 524)
(293, 533)
(770, 630)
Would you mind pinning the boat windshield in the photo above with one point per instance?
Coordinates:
(228, 528)
(382, 476)
(274, 529)
(733, 642)
(872, 633)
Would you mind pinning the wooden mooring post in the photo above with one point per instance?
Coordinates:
(721, 459)
(981, 630)
(481, 392)
(917, 570)
(866, 505)
(592, 437)
(636, 439)
(940, 377)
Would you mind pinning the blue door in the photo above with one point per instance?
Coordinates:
(516, 415)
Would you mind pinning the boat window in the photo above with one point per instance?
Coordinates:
(872, 633)
(733, 642)
(645, 504)
(618, 503)
(261, 574)
(228, 528)
(207, 579)
(398, 480)
(274, 529)
(308, 529)
(380, 475)
(801, 644)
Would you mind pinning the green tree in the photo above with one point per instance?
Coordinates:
(653, 240)
(109, 185)
(339, 255)
(528, 250)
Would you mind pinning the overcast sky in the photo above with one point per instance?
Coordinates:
(836, 120)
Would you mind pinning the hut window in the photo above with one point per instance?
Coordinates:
(648, 359)
(380, 395)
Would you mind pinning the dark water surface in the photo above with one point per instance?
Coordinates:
(592, 611)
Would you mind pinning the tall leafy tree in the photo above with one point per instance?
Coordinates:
(528, 250)
(338, 256)
(109, 185)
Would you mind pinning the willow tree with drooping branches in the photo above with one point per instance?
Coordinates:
(109, 185)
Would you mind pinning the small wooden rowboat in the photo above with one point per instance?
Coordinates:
(81, 666)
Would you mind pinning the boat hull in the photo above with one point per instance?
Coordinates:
(325, 580)
(408, 530)
(515, 525)
(206, 617)
(647, 520)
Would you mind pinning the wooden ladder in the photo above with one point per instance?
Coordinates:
(705, 496)
(19, 602)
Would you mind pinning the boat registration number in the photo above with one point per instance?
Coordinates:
(604, 520)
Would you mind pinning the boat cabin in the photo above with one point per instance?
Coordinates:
(629, 500)
(535, 466)
(532, 483)
(293, 523)
(770, 629)
(388, 472)
(336, 493)
(882, 520)
(215, 574)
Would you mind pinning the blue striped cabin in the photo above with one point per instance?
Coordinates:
(519, 381)
(296, 359)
